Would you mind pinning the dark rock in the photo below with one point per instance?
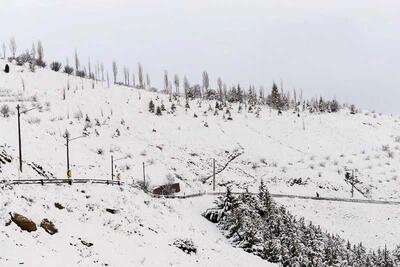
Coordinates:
(7, 68)
(88, 244)
(112, 211)
(23, 222)
(167, 189)
(48, 226)
(59, 206)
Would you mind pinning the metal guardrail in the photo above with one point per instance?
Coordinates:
(60, 181)
(112, 182)
(349, 200)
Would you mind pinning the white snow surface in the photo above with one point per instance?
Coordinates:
(315, 147)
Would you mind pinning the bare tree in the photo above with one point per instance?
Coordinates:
(148, 81)
(77, 64)
(40, 55)
(140, 76)
(33, 52)
(225, 92)
(4, 51)
(102, 71)
(97, 71)
(133, 79)
(206, 81)
(90, 69)
(176, 82)
(166, 82)
(13, 47)
(108, 80)
(115, 71)
(170, 90)
(186, 86)
(219, 81)
(126, 76)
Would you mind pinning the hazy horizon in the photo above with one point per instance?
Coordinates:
(347, 50)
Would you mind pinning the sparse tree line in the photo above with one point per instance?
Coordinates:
(276, 98)
(260, 226)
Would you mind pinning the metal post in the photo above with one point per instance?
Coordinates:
(112, 168)
(352, 183)
(67, 139)
(19, 138)
(144, 176)
(213, 174)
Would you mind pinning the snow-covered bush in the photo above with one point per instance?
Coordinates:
(55, 66)
(33, 120)
(81, 73)
(186, 245)
(5, 110)
(144, 185)
(24, 59)
(78, 115)
(68, 70)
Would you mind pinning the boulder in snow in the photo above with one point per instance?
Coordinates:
(23, 222)
(48, 226)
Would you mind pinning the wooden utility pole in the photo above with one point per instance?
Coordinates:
(19, 138)
(213, 174)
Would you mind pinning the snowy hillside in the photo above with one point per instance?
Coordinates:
(275, 148)
(179, 146)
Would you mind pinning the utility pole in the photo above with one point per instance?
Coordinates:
(213, 174)
(19, 138)
(19, 132)
(67, 141)
(112, 164)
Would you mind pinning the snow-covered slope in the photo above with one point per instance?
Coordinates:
(140, 233)
(180, 146)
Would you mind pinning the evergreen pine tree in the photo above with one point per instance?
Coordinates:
(158, 112)
(275, 97)
(151, 106)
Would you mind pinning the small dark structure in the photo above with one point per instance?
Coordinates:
(167, 189)
(7, 68)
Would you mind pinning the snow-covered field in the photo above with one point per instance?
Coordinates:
(315, 147)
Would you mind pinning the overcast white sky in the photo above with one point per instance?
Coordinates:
(346, 49)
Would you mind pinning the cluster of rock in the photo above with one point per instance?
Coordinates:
(28, 225)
